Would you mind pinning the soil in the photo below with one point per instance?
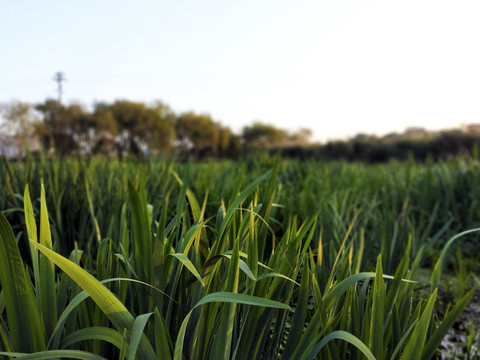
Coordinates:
(455, 344)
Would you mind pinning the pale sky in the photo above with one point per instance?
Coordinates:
(338, 67)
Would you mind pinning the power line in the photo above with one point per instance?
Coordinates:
(59, 77)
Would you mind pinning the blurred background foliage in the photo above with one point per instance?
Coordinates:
(127, 127)
(384, 203)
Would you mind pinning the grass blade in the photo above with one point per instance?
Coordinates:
(223, 338)
(20, 301)
(163, 343)
(443, 255)
(137, 331)
(47, 286)
(447, 323)
(298, 321)
(227, 298)
(378, 311)
(56, 354)
(188, 264)
(402, 340)
(107, 301)
(32, 235)
(233, 207)
(111, 336)
(142, 232)
(342, 335)
(414, 347)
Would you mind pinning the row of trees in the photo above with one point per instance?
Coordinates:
(137, 128)
(134, 127)
(370, 149)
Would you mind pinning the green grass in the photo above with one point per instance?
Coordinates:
(258, 259)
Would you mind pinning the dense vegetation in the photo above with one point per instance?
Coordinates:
(128, 127)
(371, 149)
(251, 259)
(122, 127)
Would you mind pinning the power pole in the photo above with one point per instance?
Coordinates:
(59, 77)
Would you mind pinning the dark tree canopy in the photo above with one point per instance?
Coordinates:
(126, 126)
(260, 134)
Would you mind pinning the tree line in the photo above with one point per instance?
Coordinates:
(136, 128)
(433, 146)
(128, 127)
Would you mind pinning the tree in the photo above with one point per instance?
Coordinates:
(301, 136)
(105, 129)
(21, 122)
(142, 127)
(199, 130)
(80, 126)
(260, 134)
(53, 122)
(160, 128)
(224, 138)
(129, 117)
(67, 128)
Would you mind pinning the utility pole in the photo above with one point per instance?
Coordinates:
(59, 77)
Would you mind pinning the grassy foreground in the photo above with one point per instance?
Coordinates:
(253, 260)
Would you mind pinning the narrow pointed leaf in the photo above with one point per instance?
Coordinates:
(20, 303)
(378, 311)
(137, 331)
(56, 354)
(443, 255)
(414, 347)
(342, 335)
(111, 336)
(228, 298)
(446, 324)
(108, 302)
(47, 286)
(188, 264)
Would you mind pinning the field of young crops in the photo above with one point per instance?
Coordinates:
(255, 259)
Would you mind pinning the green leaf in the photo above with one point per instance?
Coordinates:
(188, 264)
(196, 210)
(227, 298)
(32, 235)
(55, 354)
(274, 274)
(108, 302)
(342, 335)
(45, 234)
(163, 343)
(20, 300)
(138, 326)
(57, 332)
(299, 315)
(223, 338)
(111, 336)
(110, 305)
(378, 311)
(233, 207)
(337, 291)
(443, 255)
(82, 296)
(402, 340)
(244, 267)
(47, 285)
(414, 348)
(446, 324)
(92, 212)
(142, 233)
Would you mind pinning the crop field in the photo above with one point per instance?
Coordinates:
(261, 258)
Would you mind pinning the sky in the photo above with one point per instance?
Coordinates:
(337, 67)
